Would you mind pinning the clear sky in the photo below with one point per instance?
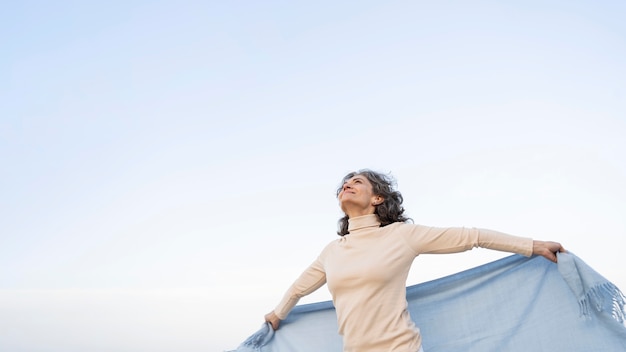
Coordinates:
(169, 167)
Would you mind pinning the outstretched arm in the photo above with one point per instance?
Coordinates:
(547, 249)
(310, 280)
(457, 239)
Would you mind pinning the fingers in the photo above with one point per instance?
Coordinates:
(274, 325)
(273, 319)
(547, 253)
(547, 250)
(556, 248)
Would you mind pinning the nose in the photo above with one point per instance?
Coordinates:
(346, 186)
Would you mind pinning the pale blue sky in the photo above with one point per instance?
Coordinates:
(171, 166)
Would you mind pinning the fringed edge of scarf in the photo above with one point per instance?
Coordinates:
(256, 340)
(603, 297)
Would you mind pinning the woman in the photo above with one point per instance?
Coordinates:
(366, 269)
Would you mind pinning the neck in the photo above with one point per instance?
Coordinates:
(353, 213)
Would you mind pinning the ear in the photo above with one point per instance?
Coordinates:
(378, 200)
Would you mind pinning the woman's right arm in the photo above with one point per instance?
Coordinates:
(310, 280)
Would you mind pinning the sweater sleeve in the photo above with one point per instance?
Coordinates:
(310, 280)
(424, 240)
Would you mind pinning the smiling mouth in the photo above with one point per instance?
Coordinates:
(346, 194)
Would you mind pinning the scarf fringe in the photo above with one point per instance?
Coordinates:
(605, 297)
(256, 340)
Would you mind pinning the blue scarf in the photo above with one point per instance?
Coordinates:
(512, 304)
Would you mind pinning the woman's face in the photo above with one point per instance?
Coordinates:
(357, 197)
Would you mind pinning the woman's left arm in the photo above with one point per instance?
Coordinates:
(434, 240)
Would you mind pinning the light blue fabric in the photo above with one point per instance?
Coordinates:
(513, 304)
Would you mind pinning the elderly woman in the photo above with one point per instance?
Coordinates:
(366, 269)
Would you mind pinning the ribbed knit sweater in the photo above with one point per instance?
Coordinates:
(366, 272)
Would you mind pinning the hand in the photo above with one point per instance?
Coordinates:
(273, 319)
(547, 249)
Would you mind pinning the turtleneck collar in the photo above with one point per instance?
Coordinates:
(360, 222)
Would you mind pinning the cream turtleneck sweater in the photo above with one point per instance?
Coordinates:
(366, 272)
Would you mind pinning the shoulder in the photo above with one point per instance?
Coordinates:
(413, 232)
(406, 227)
(333, 244)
